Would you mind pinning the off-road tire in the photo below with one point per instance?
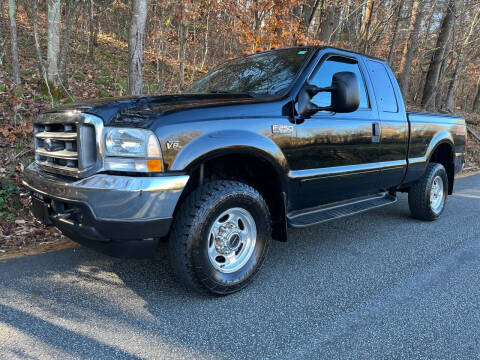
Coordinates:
(190, 232)
(420, 192)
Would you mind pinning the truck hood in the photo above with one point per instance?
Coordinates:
(143, 111)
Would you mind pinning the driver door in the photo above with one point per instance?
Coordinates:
(337, 153)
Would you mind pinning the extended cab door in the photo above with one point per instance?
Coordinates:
(393, 124)
(336, 154)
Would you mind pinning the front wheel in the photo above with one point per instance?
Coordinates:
(220, 237)
(427, 196)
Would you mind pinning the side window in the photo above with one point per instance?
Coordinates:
(387, 101)
(323, 78)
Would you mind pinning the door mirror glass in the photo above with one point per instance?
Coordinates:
(344, 95)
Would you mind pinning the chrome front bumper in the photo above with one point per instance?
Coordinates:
(107, 207)
(111, 197)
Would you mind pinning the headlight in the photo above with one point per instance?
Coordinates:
(132, 150)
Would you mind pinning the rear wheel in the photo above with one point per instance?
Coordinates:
(427, 196)
(220, 237)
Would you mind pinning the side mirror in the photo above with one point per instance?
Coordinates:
(345, 92)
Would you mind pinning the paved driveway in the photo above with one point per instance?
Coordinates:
(376, 285)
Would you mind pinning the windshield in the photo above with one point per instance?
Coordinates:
(260, 74)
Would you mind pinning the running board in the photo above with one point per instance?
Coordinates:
(320, 215)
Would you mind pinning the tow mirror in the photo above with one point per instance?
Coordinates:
(345, 95)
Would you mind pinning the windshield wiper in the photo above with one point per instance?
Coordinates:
(228, 92)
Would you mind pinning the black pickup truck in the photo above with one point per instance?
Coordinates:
(284, 138)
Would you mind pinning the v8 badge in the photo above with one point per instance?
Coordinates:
(173, 144)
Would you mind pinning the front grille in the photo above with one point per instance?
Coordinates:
(66, 144)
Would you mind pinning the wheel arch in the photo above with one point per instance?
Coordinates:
(443, 152)
(255, 160)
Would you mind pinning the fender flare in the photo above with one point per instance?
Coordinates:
(227, 142)
(441, 137)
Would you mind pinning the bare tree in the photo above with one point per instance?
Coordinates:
(410, 46)
(329, 22)
(91, 29)
(71, 6)
(53, 46)
(398, 18)
(450, 100)
(135, 47)
(182, 38)
(12, 9)
(476, 100)
(2, 33)
(428, 98)
(365, 29)
(38, 49)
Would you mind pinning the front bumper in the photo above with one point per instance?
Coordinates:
(103, 209)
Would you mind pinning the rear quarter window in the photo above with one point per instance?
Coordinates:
(383, 87)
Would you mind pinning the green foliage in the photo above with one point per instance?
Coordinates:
(56, 92)
(80, 76)
(69, 100)
(7, 191)
(121, 34)
(27, 72)
(103, 93)
(102, 81)
(19, 145)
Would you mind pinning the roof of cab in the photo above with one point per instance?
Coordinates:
(319, 47)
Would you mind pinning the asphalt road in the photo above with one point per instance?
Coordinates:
(378, 285)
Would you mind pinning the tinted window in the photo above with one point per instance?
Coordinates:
(323, 78)
(265, 73)
(382, 84)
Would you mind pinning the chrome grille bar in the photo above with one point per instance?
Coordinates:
(66, 143)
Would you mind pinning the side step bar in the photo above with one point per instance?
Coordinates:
(320, 215)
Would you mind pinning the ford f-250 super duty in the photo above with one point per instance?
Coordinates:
(284, 138)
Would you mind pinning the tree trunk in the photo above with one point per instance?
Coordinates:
(70, 11)
(38, 49)
(428, 98)
(451, 92)
(91, 30)
(135, 47)
(309, 14)
(352, 20)
(3, 27)
(365, 29)
(329, 22)
(53, 47)
(410, 46)
(476, 99)
(205, 48)
(3, 32)
(182, 38)
(393, 44)
(12, 9)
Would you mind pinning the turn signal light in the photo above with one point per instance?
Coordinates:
(229, 58)
(245, 53)
(259, 50)
(302, 43)
(154, 165)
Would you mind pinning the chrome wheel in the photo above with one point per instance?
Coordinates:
(231, 240)
(437, 195)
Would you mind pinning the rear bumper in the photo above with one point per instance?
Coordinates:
(106, 210)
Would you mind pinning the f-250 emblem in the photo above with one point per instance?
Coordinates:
(173, 144)
(282, 129)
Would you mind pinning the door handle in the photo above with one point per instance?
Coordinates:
(375, 132)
